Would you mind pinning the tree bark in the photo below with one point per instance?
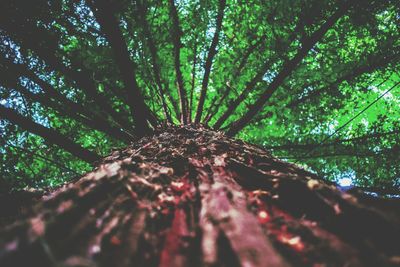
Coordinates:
(194, 197)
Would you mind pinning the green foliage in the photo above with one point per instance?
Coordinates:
(350, 67)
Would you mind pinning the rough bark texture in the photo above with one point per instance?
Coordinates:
(194, 197)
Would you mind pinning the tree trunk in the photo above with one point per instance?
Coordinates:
(194, 197)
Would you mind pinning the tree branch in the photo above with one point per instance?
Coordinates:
(213, 109)
(80, 77)
(65, 110)
(207, 67)
(336, 142)
(109, 24)
(287, 69)
(193, 80)
(43, 158)
(52, 98)
(339, 154)
(354, 73)
(142, 11)
(176, 32)
(50, 135)
(253, 82)
(238, 100)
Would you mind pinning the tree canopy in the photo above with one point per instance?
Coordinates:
(314, 81)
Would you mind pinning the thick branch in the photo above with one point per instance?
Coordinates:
(207, 67)
(338, 154)
(65, 110)
(54, 99)
(176, 32)
(352, 74)
(39, 156)
(193, 80)
(50, 135)
(216, 102)
(140, 112)
(142, 11)
(287, 69)
(238, 100)
(82, 37)
(81, 78)
(173, 101)
(253, 82)
(349, 140)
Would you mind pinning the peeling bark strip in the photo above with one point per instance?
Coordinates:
(224, 206)
(194, 197)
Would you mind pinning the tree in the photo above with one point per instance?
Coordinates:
(190, 196)
(80, 78)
